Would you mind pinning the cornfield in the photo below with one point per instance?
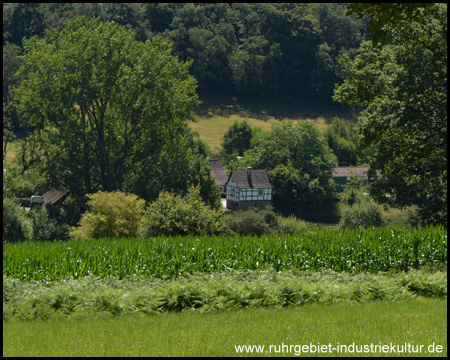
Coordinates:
(369, 250)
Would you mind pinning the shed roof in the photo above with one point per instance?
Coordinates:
(54, 196)
(260, 179)
(218, 172)
(348, 171)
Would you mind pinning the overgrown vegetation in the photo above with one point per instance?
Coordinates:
(401, 89)
(96, 138)
(92, 297)
(15, 225)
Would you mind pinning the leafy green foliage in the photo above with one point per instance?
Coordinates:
(358, 209)
(45, 228)
(173, 214)
(300, 164)
(254, 221)
(402, 88)
(255, 65)
(342, 139)
(250, 48)
(386, 17)
(91, 297)
(364, 213)
(201, 177)
(292, 225)
(351, 250)
(23, 20)
(16, 226)
(113, 214)
(114, 114)
(21, 184)
(237, 138)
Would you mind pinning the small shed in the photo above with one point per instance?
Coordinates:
(249, 188)
(54, 197)
(342, 174)
(219, 174)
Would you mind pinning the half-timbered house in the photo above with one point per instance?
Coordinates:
(249, 188)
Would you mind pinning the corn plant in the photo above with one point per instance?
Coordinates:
(370, 250)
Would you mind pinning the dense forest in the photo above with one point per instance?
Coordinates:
(96, 97)
(249, 49)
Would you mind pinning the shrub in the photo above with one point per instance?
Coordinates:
(358, 209)
(292, 225)
(408, 216)
(16, 227)
(363, 214)
(111, 214)
(254, 221)
(45, 228)
(172, 214)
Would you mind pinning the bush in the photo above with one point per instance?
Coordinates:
(362, 214)
(254, 221)
(358, 209)
(112, 214)
(16, 227)
(292, 225)
(172, 214)
(408, 216)
(45, 228)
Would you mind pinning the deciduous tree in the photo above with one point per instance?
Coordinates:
(114, 110)
(300, 164)
(402, 88)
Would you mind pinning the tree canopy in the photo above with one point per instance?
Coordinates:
(386, 17)
(300, 165)
(237, 138)
(111, 110)
(251, 49)
(402, 88)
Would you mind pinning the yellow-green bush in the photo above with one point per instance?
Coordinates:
(172, 214)
(111, 214)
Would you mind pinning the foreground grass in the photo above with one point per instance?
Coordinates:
(416, 321)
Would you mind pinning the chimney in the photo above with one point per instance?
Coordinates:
(249, 176)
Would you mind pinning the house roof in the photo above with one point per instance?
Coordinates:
(260, 179)
(54, 196)
(348, 171)
(218, 172)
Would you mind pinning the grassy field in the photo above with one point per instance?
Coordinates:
(218, 113)
(418, 322)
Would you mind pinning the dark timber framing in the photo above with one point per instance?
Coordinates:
(249, 188)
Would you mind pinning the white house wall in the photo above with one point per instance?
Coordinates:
(255, 194)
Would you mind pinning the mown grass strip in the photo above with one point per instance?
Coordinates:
(415, 322)
(370, 250)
